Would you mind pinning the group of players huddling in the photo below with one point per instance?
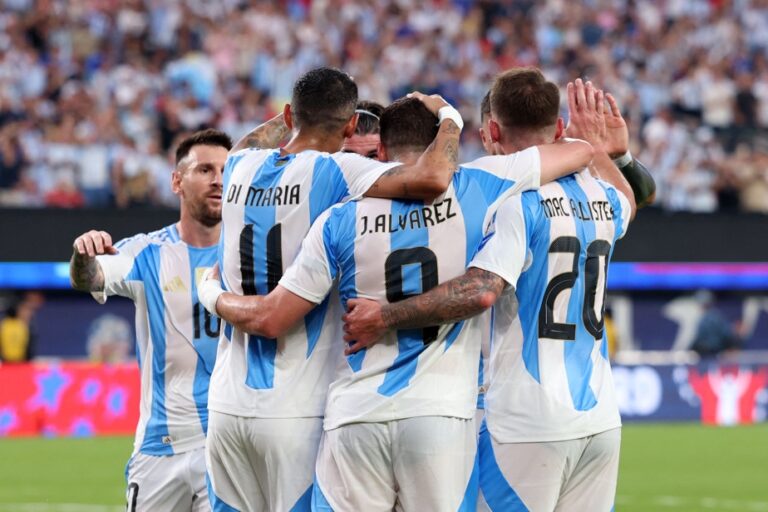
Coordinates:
(309, 333)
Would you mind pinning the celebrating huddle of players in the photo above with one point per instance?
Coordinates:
(309, 333)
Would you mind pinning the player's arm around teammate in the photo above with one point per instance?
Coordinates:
(477, 290)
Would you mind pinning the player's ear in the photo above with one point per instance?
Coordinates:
(349, 128)
(176, 181)
(560, 129)
(288, 116)
(495, 130)
(381, 153)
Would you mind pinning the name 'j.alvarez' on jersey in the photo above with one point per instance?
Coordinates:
(388, 250)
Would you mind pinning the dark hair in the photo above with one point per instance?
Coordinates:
(323, 98)
(485, 107)
(523, 98)
(367, 123)
(209, 137)
(407, 124)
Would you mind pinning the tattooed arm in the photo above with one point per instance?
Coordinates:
(265, 136)
(85, 273)
(455, 300)
(430, 175)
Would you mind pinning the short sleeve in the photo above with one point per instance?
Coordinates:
(120, 269)
(622, 211)
(359, 172)
(504, 250)
(523, 168)
(313, 271)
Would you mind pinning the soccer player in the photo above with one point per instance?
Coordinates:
(552, 436)
(366, 139)
(399, 420)
(176, 337)
(268, 391)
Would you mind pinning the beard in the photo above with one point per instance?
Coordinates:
(205, 214)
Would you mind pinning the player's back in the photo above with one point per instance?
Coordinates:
(550, 378)
(270, 201)
(387, 251)
(175, 336)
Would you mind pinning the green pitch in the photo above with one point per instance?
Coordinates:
(671, 468)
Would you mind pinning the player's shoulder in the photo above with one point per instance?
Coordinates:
(164, 236)
(588, 181)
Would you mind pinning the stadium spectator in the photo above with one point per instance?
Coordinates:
(714, 334)
(82, 83)
(14, 338)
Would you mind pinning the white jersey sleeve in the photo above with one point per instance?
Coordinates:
(505, 248)
(621, 209)
(118, 267)
(312, 273)
(360, 172)
(522, 167)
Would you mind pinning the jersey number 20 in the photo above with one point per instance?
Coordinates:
(548, 327)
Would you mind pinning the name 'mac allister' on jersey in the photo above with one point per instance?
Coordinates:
(549, 375)
(388, 250)
(176, 337)
(270, 201)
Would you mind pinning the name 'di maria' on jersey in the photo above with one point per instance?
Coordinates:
(270, 196)
(418, 218)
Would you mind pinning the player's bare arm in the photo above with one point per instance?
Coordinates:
(265, 136)
(85, 273)
(562, 157)
(455, 300)
(586, 119)
(270, 315)
(431, 174)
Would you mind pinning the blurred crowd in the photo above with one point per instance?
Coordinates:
(94, 93)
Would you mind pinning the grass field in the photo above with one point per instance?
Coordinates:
(671, 468)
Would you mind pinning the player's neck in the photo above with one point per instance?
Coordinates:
(196, 234)
(518, 140)
(302, 141)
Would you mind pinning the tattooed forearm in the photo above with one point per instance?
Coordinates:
(85, 273)
(265, 136)
(455, 300)
(451, 151)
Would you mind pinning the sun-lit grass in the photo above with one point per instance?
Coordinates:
(671, 467)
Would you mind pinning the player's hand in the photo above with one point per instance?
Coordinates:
(433, 102)
(586, 119)
(617, 132)
(212, 273)
(93, 243)
(363, 324)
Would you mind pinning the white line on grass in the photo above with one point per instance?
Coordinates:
(59, 507)
(706, 502)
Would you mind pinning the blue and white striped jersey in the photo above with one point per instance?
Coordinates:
(270, 201)
(175, 336)
(388, 250)
(549, 375)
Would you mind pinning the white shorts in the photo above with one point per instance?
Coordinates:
(414, 464)
(257, 464)
(172, 483)
(562, 476)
